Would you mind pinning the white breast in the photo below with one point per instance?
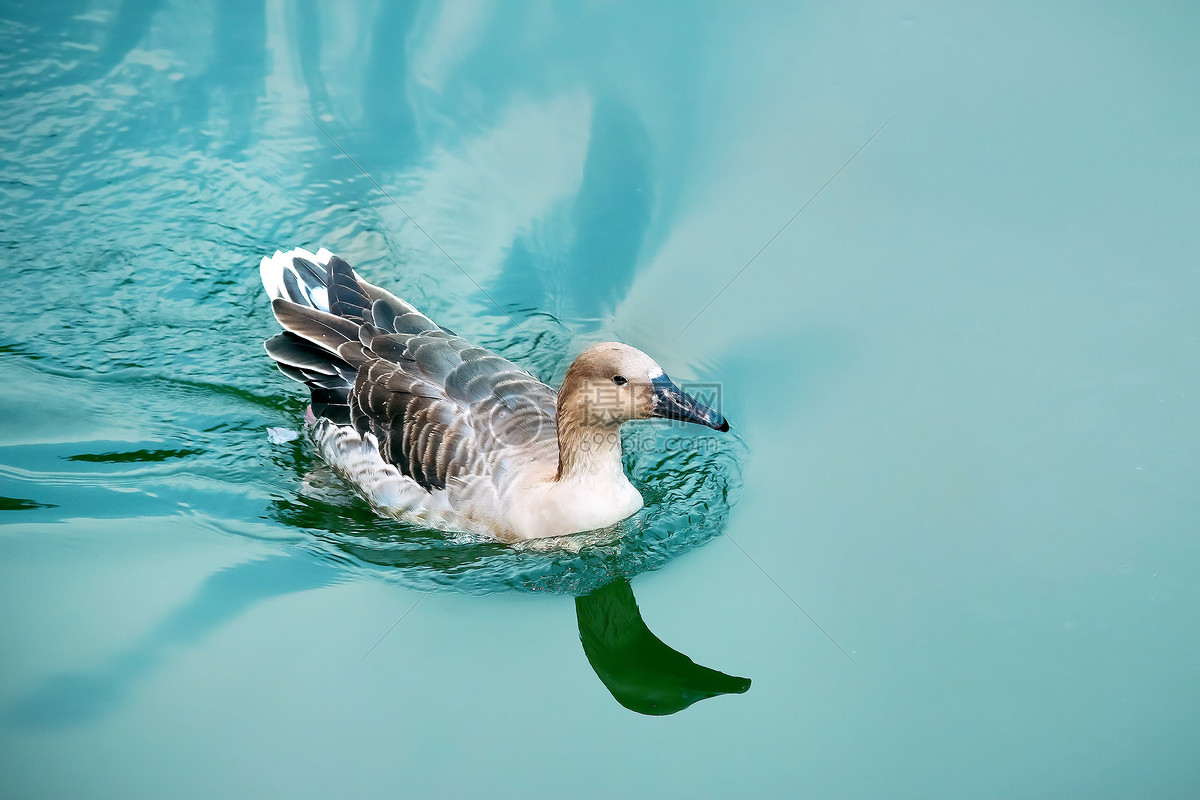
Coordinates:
(572, 505)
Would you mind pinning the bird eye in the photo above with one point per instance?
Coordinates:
(619, 380)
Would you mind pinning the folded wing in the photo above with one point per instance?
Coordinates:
(439, 407)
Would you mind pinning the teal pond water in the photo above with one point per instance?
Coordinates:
(937, 265)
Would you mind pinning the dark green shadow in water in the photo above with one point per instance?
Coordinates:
(642, 673)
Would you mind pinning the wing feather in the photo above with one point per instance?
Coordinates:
(290, 349)
(316, 326)
(346, 297)
(439, 407)
(438, 416)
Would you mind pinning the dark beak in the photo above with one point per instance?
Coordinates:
(671, 402)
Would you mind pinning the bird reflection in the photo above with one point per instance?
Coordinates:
(642, 673)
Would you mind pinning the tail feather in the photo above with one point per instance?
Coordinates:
(317, 273)
(298, 276)
(314, 348)
(330, 317)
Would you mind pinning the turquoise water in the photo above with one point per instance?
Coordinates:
(951, 551)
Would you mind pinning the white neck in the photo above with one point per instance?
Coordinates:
(589, 492)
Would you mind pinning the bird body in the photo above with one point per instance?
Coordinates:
(436, 431)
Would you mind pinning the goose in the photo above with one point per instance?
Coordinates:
(437, 432)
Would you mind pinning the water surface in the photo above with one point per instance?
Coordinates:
(952, 546)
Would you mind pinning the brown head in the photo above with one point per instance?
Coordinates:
(612, 383)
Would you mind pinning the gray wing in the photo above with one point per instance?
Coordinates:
(442, 408)
(439, 406)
